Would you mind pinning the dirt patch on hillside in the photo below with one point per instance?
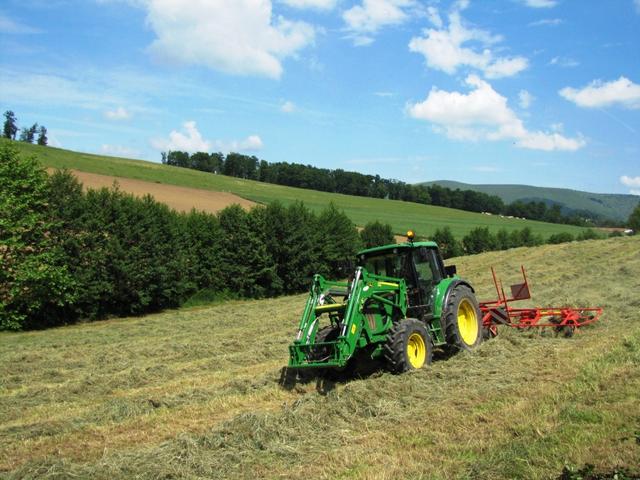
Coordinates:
(179, 198)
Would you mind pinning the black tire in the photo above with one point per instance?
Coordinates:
(468, 335)
(325, 334)
(403, 336)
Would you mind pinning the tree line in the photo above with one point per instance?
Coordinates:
(481, 239)
(71, 255)
(27, 134)
(374, 186)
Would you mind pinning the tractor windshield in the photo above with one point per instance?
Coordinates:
(388, 265)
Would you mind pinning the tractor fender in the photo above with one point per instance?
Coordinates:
(443, 292)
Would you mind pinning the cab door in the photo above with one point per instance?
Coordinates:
(428, 274)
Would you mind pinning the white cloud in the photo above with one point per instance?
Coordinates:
(364, 20)
(241, 37)
(483, 114)
(119, 113)
(622, 92)
(564, 62)
(547, 22)
(13, 27)
(525, 99)
(434, 17)
(317, 4)
(191, 140)
(631, 182)
(119, 151)
(288, 107)
(540, 3)
(637, 4)
(444, 49)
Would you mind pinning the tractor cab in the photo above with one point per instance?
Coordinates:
(418, 263)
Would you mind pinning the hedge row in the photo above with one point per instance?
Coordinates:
(481, 239)
(68, 255)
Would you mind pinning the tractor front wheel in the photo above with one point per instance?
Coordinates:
(462, 320)
(408, 346)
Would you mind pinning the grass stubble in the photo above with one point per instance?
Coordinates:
(194, 393)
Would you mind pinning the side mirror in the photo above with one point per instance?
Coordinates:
(450, 270)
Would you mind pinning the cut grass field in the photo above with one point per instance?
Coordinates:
(402, 216)
(194, 393)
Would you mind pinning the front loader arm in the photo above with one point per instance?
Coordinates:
(352, 315)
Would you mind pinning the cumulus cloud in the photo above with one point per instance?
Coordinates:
(364, 20)
(540, 3)
(317, 4)
(525, 99)
(242, 37)
(483, 114)
(445, 48)
(189, 139)
(622, 92)
(632, 182)
(288, 107)
(119, 113)
(250, 144)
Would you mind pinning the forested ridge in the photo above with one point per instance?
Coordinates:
(374, 186)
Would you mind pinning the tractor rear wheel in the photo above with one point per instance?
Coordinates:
(408, 346)
(462, 320)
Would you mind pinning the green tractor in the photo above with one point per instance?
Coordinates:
(400, 303)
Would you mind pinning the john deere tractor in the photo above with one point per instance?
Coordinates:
(399, 304)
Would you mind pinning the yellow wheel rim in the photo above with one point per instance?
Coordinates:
(467, 322)
(416, 350)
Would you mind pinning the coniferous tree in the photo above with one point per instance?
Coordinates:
(247, 267)
(478, 240)
(448, 245)
(29, 134)
(10, 125)
(42, 136)
(293, 244)
(339, 241)
(377, 233)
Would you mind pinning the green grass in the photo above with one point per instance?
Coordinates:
(424, 219)
(194, 393)
(608, 205)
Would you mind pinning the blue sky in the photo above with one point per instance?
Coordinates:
(542, 92)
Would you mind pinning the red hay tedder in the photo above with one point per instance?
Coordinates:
(499, 312)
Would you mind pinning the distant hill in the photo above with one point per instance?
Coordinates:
(613, 206)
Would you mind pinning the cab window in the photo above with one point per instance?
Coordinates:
(426, 267)
(390, 265)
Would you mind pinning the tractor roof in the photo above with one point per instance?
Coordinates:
(405, 245)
